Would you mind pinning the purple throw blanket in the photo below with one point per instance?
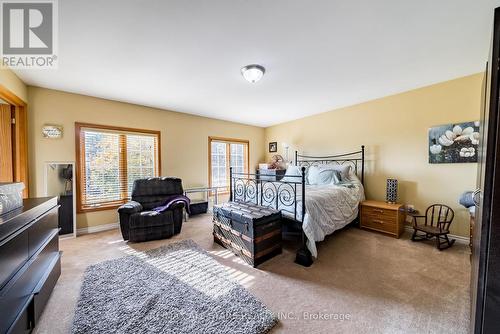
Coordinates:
(173, 200)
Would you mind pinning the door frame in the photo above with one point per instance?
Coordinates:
(19, 136)
(485, 269)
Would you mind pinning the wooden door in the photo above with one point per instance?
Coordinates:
(6, 157)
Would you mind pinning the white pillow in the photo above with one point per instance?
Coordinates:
(353, 177)
(292, 171)
(312, 175)
(344, 170)
(328, 175)
(325, 176)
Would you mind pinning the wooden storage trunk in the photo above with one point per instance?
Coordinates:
(252, 232)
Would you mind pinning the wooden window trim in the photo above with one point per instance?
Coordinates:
(228, 157)
(20, 137)
(78, 139)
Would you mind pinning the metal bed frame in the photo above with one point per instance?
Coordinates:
(266, 190)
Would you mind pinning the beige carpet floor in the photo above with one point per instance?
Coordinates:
(362, 282)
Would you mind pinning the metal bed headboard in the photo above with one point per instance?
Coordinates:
(354, 159)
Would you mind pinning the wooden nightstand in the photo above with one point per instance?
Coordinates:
(383, 217)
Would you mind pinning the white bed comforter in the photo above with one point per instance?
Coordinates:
(328, 208)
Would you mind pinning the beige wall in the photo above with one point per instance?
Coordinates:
(394, 131)
(184, 146)
(9, 80)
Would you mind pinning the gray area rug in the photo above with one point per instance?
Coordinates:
(178, 288)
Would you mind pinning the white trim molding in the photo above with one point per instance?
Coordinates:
(98, 228)
(459, 239)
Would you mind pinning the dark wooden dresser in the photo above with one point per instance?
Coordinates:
(29, 263)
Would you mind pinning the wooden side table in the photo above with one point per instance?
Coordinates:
(383, 217)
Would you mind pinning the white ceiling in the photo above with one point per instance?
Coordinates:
(186, 55)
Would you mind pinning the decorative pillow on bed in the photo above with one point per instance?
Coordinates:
(328, 176)
(322, 175)
(351, 182)
(353, 177)
(336, 179)
(292, 171)
(344, 170)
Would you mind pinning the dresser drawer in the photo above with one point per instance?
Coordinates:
(19, 290)
(380, 213)
(380, 224)
(13, 255)
(42, 229)
(23, 323)
(17, 249)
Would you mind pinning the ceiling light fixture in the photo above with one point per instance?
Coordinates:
(253, 73)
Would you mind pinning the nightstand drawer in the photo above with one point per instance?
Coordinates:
(379, 213)
(379, 224)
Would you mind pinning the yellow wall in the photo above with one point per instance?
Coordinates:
(10, 80)
(184, 146)
(394, 131)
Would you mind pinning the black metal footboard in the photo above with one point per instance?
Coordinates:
(263, 190)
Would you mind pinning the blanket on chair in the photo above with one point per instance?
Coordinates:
(170, 201)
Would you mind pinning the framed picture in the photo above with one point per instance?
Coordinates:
(51, 131)
(273, 147)
(454, 143)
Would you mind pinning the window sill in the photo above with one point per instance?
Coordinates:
(220, 192)
(105, 207)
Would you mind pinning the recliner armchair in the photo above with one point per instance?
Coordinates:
(138, 221)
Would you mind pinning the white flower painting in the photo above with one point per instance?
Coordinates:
(454, 143)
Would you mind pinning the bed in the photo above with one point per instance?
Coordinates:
(326, 208)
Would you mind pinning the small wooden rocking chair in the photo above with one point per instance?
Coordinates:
(437, 221)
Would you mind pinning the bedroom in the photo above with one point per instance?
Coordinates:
(184, 99)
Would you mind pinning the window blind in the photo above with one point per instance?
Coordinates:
(110, 160)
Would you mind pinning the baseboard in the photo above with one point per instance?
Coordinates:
(459, 239)
(98, 228)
